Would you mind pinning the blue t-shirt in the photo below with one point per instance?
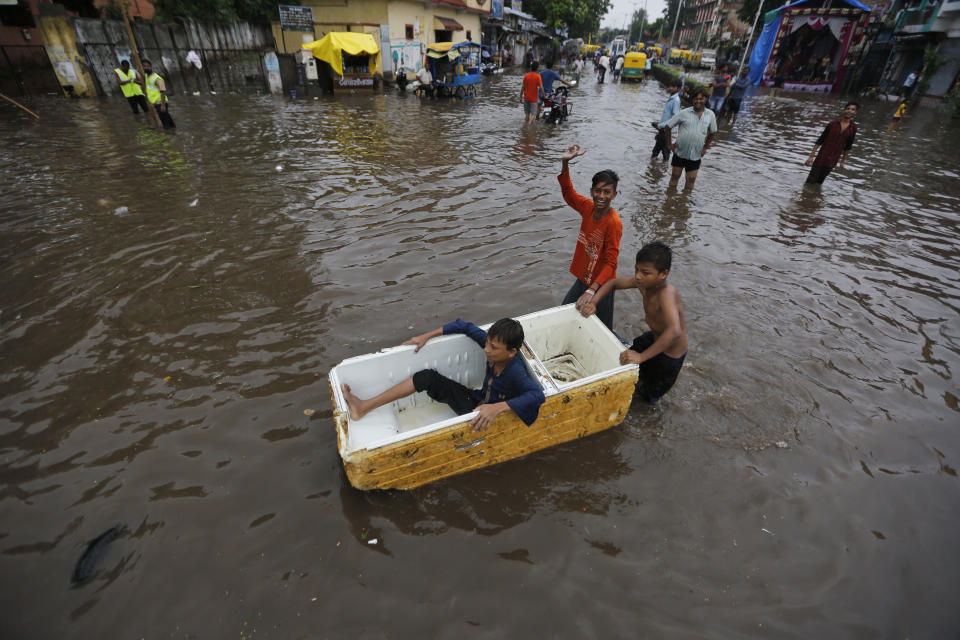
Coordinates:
(514, 384)
(549, 76)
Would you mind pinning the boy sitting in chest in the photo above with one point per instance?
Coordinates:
(507, 386)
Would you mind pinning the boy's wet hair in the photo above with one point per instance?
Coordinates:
(674, 82)
(508, 331)
(607, 176)
(656, 253)
(856, 104)
(534, 65)
(698, 92)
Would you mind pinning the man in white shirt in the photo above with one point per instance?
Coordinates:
(604, 65)
(426, 80)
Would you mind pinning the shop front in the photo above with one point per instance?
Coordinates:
(346, 61)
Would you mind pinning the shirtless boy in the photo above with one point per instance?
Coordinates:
(660, 351)
(507, 386)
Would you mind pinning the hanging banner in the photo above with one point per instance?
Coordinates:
(496, 9)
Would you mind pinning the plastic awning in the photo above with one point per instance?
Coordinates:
(449, 50)
(331, 47)
(446, 24)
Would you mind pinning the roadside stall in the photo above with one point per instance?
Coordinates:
(455, 67)
(804, 46)
(347, 61)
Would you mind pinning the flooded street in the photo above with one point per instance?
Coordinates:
(171, 305)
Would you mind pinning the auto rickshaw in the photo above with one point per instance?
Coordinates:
(676, 56)
(634, 64)
(691, 59)
(654, 51)
(455, 67)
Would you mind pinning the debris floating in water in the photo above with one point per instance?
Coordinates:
(194, 203)
(121, 211)
(781, 444)
(373, 541)
(88, 561)
(308, 412)
(279, 167)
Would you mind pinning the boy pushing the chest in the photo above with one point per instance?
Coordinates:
(660, 351)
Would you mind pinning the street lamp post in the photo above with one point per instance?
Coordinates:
(749, 38)
(672, 33)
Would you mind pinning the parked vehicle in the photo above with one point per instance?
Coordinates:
(618, 47)
(415, 440)
(691, 59)
(556, 108)
(676, 56)
(633, 66)
(708, 59)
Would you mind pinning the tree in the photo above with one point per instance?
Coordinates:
(256, 11)
(655, 30)
(582, 17)
(638, 21)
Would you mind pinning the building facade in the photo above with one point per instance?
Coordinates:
(924, 38)
(402, 28)
(714, 21)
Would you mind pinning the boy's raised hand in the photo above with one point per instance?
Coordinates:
(572, 152)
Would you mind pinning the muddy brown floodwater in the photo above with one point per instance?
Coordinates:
(171, 305)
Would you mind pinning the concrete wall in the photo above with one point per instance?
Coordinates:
(231, 53)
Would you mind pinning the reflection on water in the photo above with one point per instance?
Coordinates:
(172, 303)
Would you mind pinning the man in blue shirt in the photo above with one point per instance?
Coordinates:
(696, 126)
(507, 386)
(548, 76)
(669, 110)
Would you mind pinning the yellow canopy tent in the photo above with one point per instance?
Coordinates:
(331, 47)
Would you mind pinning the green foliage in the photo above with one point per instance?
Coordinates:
(748, 12)
(582, 17)
(256, 11)
(113, 11)
(639, 19)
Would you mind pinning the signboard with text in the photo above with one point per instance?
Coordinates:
(496, 9)
(294, 18)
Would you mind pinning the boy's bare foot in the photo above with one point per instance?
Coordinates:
(353, 402)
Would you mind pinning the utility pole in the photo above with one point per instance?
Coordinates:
(643, 20)
(749, 38)
(672, 33)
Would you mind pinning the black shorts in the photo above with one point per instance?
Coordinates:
(689, 165)
(443, 389)
(818, 174)
(733, 105)
(658, 373)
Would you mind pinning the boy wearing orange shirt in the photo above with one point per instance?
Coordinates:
(531, 92)
(598, 243)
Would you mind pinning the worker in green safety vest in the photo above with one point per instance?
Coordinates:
(129, 81)
(157, 95)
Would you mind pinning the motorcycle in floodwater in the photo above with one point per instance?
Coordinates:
(556, 106)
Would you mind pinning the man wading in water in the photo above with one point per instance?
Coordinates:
(834, 144)
(696, 127)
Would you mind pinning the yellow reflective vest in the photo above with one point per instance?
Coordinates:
(153, 93)
(129, 89)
